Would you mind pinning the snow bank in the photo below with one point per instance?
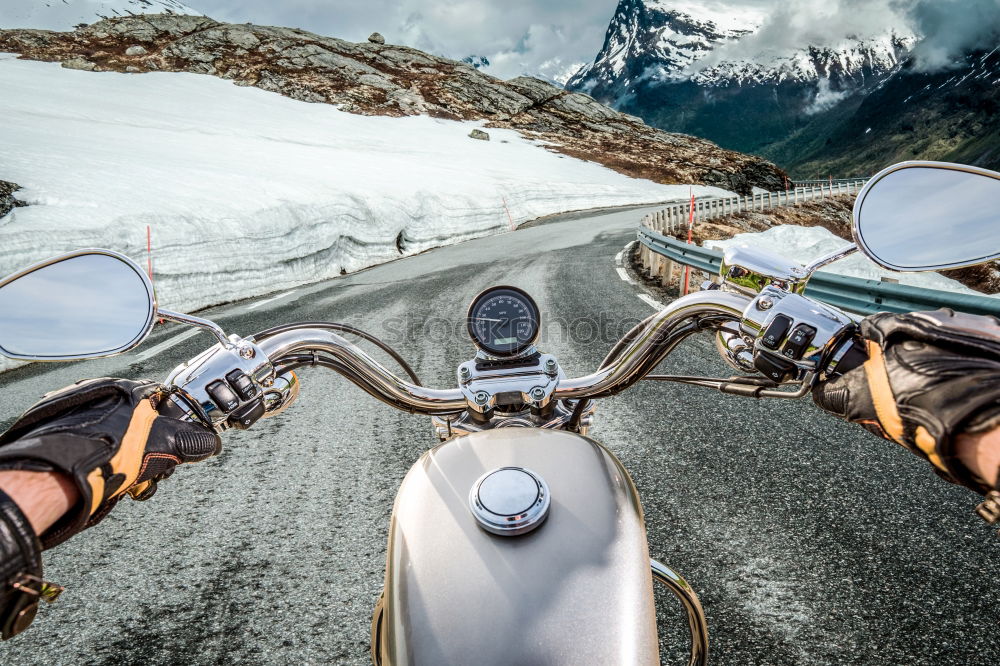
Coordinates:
(803, 244)
(247, 192)
(65, 14)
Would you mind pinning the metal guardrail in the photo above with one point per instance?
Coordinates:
(853, 294)
(675, 217)
(824, 181)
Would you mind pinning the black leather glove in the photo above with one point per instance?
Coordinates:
(107, 436)
(930, 376)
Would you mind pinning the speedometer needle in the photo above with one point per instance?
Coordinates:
(488, 319)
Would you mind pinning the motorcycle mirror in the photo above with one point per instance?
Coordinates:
(86, 304)
(927, 216)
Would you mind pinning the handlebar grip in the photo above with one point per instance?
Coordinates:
(853, 357)
(176, 407)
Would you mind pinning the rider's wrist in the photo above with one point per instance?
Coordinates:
(43, 497)
(980, 453)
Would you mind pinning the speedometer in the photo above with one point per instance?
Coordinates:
(503, 321)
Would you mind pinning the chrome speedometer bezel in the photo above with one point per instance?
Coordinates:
(522, 346)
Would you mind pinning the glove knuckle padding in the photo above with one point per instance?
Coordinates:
(108, 437)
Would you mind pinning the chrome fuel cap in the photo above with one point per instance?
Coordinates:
(509, 501)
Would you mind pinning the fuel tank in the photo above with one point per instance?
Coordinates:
(575, 590)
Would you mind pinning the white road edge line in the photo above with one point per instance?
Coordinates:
(649, 300)
(623, 275)
(166, 344)
(269, 300)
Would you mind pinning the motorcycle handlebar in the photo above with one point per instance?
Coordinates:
(665, 330)
(363, 370)
(661, 334)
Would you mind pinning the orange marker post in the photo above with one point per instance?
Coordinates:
(687, 269)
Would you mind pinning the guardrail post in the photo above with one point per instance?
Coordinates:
(668, 273)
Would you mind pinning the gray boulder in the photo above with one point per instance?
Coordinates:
(376, 38)
(79, 63)
(136, 50)
(479, 134)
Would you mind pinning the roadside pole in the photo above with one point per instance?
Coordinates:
(687, 269)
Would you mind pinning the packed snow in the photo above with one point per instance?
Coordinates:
(724, 16)
(64, 14)
(804, 244)
(247, 192)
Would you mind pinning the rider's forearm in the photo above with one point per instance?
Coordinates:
(981, 454)
(43, 497)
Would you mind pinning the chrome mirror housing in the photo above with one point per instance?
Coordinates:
(749, 270)
(927, 216)
(86, 304)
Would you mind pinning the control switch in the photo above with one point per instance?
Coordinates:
(222, 396)
(800, 338)
(776, 331)
(774, 368)
(247, 415)
(242, 384)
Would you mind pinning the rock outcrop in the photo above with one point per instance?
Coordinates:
(390, 80)
(7, 200)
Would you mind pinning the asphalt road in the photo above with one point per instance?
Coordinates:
(809, 540)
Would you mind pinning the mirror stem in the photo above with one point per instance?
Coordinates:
(830, 258)
(198, 322)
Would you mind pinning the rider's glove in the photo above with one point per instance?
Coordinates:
(929, 377)
(108, 438)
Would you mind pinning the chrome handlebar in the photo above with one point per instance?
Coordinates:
(268, 361)
(364, 371)
(663, 333)
(660, 336)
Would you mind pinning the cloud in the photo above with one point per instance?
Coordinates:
(945, 29)
(517, 36)
(825, 98)
(549, 37)
(951, 28)
(794, 25)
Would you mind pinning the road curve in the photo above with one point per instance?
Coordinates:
(809, 540)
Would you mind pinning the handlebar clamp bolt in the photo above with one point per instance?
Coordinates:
(550, 365)
(537, 393)
(464, 372)
(246, 351)
(764, 303)
(482, 398)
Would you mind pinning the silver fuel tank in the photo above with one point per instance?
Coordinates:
(576, 590)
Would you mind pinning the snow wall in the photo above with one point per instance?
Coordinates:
(245, 192)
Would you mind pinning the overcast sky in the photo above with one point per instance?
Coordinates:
(547, 36)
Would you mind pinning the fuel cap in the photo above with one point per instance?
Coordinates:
(509, 501)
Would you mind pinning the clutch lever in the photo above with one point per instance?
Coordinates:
(751, 387)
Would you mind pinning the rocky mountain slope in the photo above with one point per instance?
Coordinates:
(390, 80)
(660, 61)
(951, 115)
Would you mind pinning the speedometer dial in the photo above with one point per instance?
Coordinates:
(503, 321)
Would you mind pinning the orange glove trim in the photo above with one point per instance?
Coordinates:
(882, 398)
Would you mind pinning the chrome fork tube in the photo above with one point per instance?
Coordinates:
(697, 623)
(660, 336)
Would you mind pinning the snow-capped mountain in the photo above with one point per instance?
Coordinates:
(65, 14)
(693, 66)
(663, 39)
(656, 41)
